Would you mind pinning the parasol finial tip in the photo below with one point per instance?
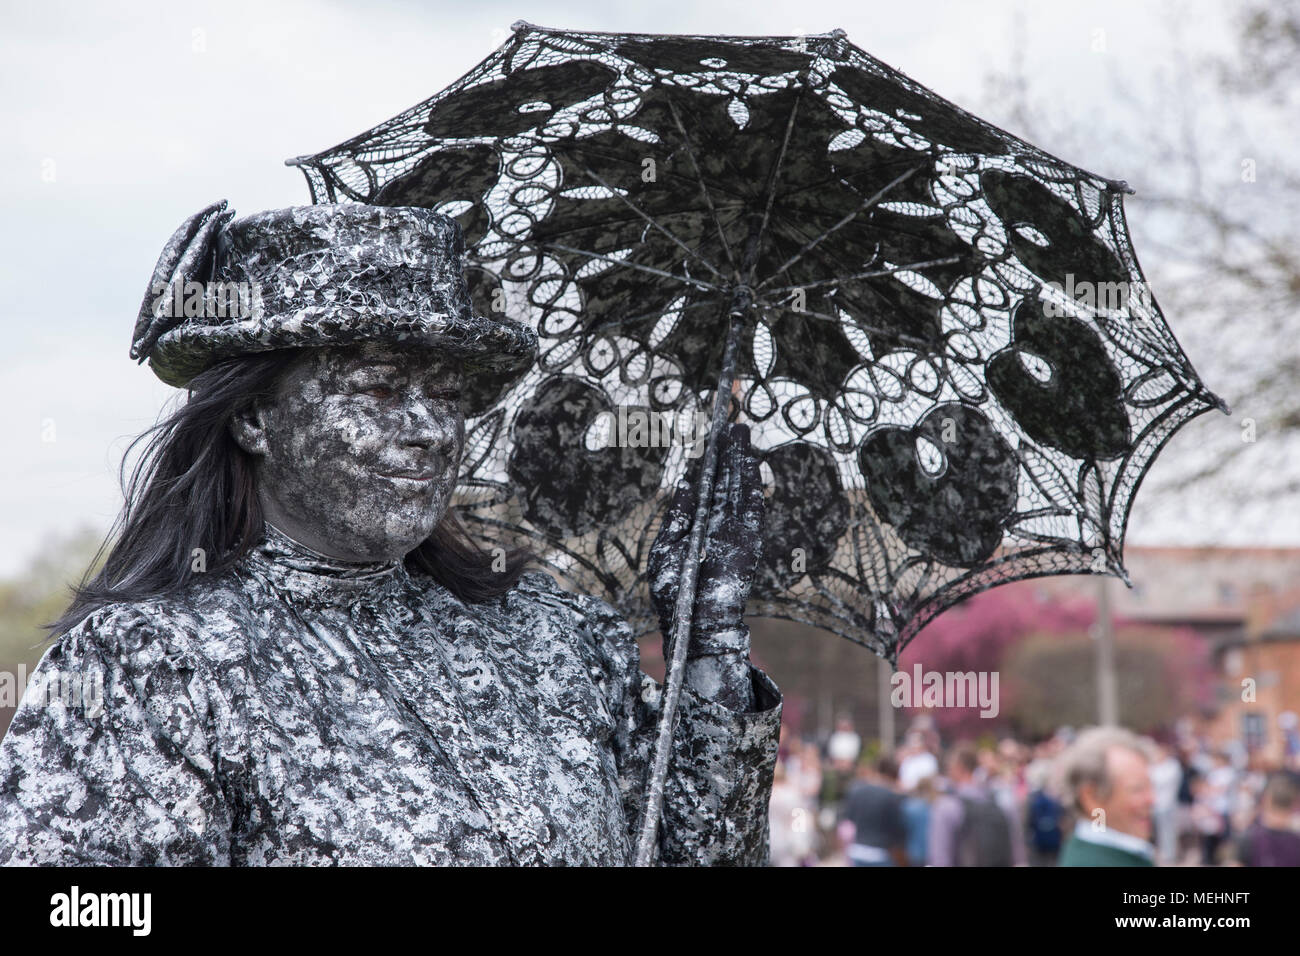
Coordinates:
(520, 25)
(1115, 565)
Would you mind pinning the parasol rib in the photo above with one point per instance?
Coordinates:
(640, 212)
(704, 189)
(698, 283)
(848, 218)
(756, 239)
(874, 274)
(653, 313)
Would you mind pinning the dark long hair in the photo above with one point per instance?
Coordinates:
(195, 488)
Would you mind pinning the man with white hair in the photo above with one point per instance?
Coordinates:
(1106, 774)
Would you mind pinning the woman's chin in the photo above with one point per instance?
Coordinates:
(409, 527)
(387, 527)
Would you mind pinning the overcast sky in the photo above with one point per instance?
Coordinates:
(121, 120)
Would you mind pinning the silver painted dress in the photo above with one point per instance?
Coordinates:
(301, 710)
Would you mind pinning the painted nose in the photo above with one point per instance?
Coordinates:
(430, 425)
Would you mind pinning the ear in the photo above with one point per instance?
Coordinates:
(1089, 799)
(248, 427)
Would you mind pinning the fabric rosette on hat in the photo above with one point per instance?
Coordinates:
(311, 276)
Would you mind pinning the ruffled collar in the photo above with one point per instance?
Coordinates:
(301, 572)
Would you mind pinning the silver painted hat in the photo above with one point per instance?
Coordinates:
(316, 276)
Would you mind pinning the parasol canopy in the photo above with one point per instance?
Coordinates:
(946, 351)
(947, 354)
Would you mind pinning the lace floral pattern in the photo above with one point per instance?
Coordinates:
(949, 361)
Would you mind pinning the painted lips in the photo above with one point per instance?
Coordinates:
(417, 480)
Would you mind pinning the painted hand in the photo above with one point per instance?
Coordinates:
(732, 550)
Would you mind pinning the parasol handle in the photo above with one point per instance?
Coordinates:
(684, 609)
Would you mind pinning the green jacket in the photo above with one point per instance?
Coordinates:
(1085, 853)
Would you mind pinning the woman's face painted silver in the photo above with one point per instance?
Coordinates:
(359, 453)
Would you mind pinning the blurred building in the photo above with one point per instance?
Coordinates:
(1260, 690)
(1245, 602)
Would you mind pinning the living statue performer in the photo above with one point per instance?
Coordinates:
(295, 653)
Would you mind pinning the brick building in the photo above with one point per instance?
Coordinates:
(1245, 602)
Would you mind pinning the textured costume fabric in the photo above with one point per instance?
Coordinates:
(301, 710)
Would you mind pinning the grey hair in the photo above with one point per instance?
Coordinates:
(1084, 761)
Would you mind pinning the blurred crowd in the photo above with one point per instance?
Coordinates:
(1181, 802)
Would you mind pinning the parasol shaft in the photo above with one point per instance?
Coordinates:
(683, 612)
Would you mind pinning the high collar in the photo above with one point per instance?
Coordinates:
(301, 572)
(1084, 830)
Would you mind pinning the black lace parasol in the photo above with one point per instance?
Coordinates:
(937, 412)
(938, 334)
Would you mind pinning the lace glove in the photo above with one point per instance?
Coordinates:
(718, 653)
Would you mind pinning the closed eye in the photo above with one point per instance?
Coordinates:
(386, 392)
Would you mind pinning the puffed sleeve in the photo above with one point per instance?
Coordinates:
(715, 810)
(109, 760)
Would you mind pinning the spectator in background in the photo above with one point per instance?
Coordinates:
(836, 779)
(1004, 775)
(803, 771)
(968, 827)
(1043, 818)
(874, 815)
(1247, 797)
(842, 749)
(1272, 840)
(844, 744)
(1187, 835)
(1166, 777)
(1106, 773)
(1207, 825)
(804, 768)
(916, 818)
(1213, 807)
(916, 762)
(791, 821)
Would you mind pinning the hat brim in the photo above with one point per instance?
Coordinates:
(495, 345)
